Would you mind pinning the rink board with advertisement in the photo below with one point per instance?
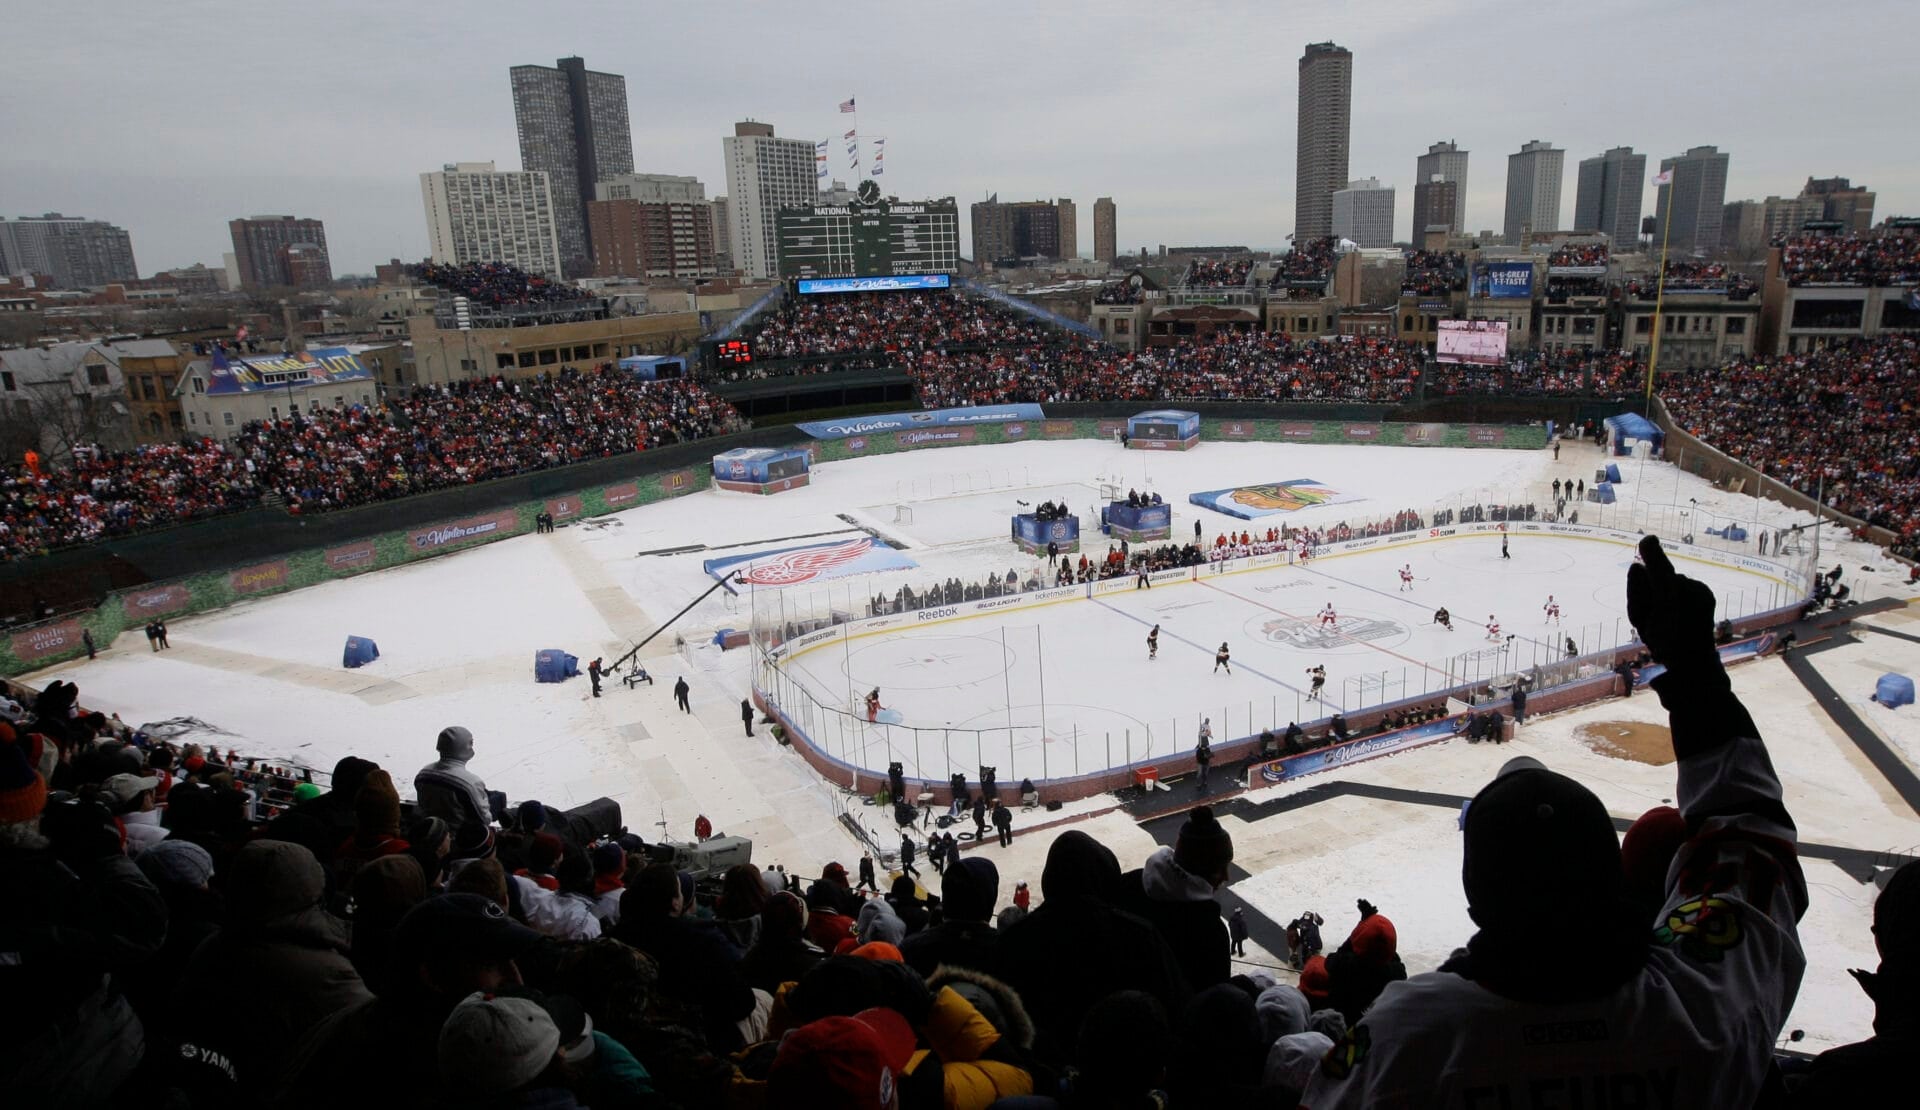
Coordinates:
(1474, 342)
(1253, 502)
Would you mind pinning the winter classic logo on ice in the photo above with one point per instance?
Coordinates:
(1298, 633)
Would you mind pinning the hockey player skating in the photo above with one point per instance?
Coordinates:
(873, 705)
(1329, 618)
(1552, 609)
(1443, 618)
(1406, 577)
(1220, 659)
(1319, 674)
(1153, 643)
(1493, 627)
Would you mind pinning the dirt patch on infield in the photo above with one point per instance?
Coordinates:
(1634, 740)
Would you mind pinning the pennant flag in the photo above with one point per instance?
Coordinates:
(1664, 177)
(880, 142)
(821, 145)
(846, 105)
(851, 134)
(877, 170)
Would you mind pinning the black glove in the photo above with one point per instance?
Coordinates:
(1673, 613)
(1367, 909)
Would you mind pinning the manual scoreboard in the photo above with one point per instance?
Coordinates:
(873, 236)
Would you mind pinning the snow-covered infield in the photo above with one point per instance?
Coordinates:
(458, 636)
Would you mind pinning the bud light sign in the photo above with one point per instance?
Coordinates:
(1503, 281)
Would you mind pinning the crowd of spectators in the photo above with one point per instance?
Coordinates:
(1578, 254)
(495, 284)
(1307, 263)
(1228, 366)
(1120, 292)
(1589, 371)
(1688, 276)
(1217, 273)
(467, 432)
(1433, 273)
(113, 493)
(899, 322)
(1843, 416)
(1560, 287)
(1851, 259)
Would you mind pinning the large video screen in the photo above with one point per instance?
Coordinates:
(1475, 342)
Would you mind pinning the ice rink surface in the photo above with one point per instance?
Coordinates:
(458, 635)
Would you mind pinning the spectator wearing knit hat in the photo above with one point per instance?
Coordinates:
(1364, 964)
(842, 1063)
(697, 968)
(447, 789)
(781, 953)
(1686, 1001)
(1878, 1068)
(1175, 891)
(492, 1047)
(969, 892)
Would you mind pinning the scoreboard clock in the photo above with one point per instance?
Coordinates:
(733, 352)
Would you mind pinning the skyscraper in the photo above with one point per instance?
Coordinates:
(573, 127)
(1841, 200)
(722, 235)
(476, 213)
(1363, 212)
(1444, 162)
(764, 175)
(1005, 231)
(1325, 119)
(260, 248)
(651, 225)
(1435, 202)
(1608, 196)
(1533, 189)
(1696, 199)
(1069, 220)
(1103, 231)
(76, 253)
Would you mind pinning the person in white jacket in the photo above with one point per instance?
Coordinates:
(132, 799)
(1569, 995)
(557, 915)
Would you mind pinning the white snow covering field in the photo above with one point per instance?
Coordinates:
(458, 635)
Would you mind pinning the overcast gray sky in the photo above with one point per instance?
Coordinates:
(170, 119)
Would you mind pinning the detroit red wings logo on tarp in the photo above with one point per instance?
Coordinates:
(806, 564)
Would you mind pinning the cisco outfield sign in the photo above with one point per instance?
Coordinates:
(932, 418)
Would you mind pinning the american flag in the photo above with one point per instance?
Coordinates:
(846, 105)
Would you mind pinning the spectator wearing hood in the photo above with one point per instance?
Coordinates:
(1876, 1069)
(878, 921)
(742, 896)
(69, 920)
(376, 828)
(447, 789)
(697, 969)
(1688, 1008)
(1077, 948)
(446, 948)
(781, 953)
(969, 892)
(1175, 892)
(274, 971)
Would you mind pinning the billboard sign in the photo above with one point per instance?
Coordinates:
(874, 284)
(142, 604)
(47, 639)
(932, 418)
(460, 531)
(1505, 281)
(1474, 342)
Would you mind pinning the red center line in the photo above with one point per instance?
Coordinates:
(1262, 605)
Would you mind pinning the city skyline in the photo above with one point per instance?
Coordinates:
(137, 149)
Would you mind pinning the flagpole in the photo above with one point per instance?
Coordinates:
(1660, 290)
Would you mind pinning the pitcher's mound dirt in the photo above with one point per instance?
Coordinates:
(1635, 740)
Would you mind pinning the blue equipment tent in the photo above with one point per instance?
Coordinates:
(554, 665)
(1603, 493)
(1613, 472)
(359, 652)
(1893, 690)
(1633, 426)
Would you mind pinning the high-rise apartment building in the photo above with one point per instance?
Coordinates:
(1533, 190)
(1696, 199)
(261, 251)
(1069, 220)
(1607, 196)
(1003, 232)
(651, 226)
(76, 253)
(764, 175)
(1321, 137)
(476, 213)
(1442, 162)
(1104, 238)
(1363, 212)
(573, 127)
(1841, 200)
(1436, 201)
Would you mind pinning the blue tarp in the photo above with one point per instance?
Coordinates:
(1613, 472)
(554, 665)
(1893, 690)
(359, 652)
(1603, 493)
(1632, 426)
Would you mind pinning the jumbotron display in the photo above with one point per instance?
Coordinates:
(874, 236)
